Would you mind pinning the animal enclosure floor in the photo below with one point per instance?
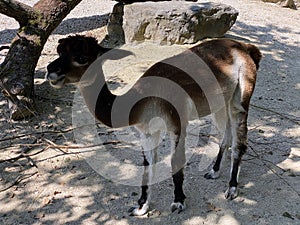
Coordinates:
(46, 177)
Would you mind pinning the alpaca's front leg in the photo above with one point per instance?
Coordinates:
(214, 172)
(150, 144)
(143, 202)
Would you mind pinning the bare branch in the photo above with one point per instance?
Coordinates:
(17, 10)
(263, 161)
(18, 180)
(288, 117)
(17, 70)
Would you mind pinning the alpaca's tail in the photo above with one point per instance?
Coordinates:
(255, 54)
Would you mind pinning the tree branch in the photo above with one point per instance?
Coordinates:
(16, 72)
(17, 10)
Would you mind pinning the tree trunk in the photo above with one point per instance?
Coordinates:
(17, 70)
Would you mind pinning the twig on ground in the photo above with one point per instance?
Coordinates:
(45, 132)
(18, 180)
(69, 101)
(277, 113)
(53, 145)
(22, 155)
(50, 144)
(273, 171)
(37, 133)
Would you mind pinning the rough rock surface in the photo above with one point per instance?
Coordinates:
(175, 22)
(293, 4)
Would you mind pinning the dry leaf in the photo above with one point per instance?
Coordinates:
(212, 208)
(47, 201)
(57, 192)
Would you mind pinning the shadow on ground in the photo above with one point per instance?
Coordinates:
(53, 184)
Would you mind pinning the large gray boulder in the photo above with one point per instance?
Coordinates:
(175, 22)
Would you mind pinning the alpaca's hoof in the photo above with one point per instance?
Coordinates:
(177, 206)
(139, 211)
(231, 193)
(212, 174)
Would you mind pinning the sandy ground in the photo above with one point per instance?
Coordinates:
(53, 183)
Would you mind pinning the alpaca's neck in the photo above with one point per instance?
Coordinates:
(100, 101)
(96, 94)
(104, 105)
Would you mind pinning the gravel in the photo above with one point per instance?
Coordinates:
(57, 185)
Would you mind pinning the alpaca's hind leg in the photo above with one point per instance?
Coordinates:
(238, 149)
(178, 162)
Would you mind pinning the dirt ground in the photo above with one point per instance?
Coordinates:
(45, 178)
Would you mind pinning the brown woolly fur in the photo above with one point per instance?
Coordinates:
(228, 73)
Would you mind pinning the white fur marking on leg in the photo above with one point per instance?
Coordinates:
(213, 174)
(231, 193)
(137, 211)
(150, 153)
(177, 206)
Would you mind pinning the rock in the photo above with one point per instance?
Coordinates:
(176, 22)
(285, 3)
(132, 1)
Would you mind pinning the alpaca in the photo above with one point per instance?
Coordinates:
(233, 65)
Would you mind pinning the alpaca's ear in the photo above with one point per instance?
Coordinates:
(62, 40)
(60, 44)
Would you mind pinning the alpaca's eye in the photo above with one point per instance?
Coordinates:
(81, 59)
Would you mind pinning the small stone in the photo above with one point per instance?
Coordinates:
(288, 215)
(81, 178)
(154, 213)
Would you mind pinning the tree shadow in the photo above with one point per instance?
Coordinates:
(78, 25)
(66, 190)
(67, 26)
(6, 36)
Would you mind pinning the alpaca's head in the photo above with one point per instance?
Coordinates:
(76, 54)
